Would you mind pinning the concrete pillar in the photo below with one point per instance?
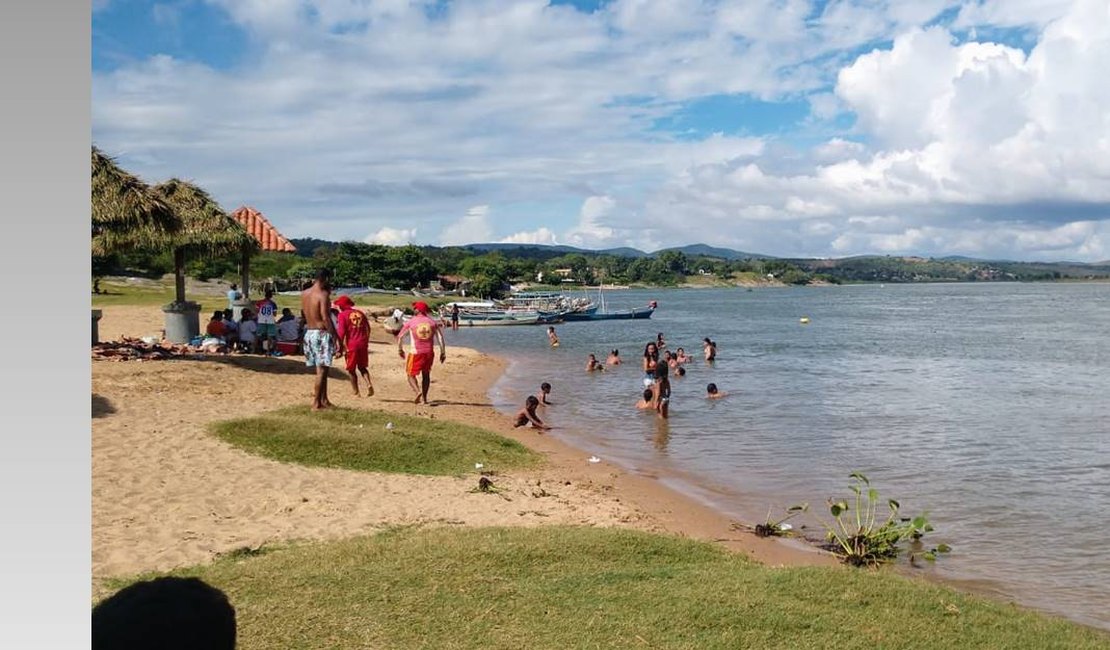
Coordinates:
(96, 314)
(182, 321)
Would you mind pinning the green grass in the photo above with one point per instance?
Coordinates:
(119, 294)
(564, 587)
(359, 440)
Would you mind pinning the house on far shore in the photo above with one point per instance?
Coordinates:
(452, 283)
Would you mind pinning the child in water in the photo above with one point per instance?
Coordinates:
(711, 392)
(545, 390)
(552, 337)
(528, 414)
(662, 391)
(614, 358)
(646, 402)
(593, 364)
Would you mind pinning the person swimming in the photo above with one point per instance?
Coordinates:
(711, 392)
(614, 358)
(646, 402)
(593, 364)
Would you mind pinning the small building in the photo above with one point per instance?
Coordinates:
(268, 237)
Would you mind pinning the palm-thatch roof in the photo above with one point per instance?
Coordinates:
(206, 230)
(126, 213)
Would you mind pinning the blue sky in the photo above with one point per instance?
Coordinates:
(789, 127)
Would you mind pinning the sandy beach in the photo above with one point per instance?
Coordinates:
(167, 494)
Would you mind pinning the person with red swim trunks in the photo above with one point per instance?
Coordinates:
(353, 328)
(423, 331)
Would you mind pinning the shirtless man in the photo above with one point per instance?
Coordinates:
(321, 341)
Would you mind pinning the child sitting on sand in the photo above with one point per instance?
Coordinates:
(248, 332)
(711, 392)
(646, 402)
(593, 364)
(528, 414)
(545, 390)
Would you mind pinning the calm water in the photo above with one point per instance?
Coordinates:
(987, 405)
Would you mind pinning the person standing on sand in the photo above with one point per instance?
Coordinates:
(233, 295)
(266, 315)
(423, 331)
(320, 338)
(354, 331)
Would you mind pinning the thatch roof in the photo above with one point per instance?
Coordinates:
(262, 230)
(206, 229)
(126, 213)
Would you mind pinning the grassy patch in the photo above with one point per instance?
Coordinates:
(564, 587)
(357, 439)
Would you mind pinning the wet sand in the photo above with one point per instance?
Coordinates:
(167, 494)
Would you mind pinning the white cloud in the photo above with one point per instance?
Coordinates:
(539, 236)
(473, 228)
(590, 231)
(392, 236)
(381, 111)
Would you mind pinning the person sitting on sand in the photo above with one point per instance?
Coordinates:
(231, 329)
(711, 392)
(552, 337)
(662, 391)
(614, 358)
(545, 390)
(354, 331)
(288, 327)
(216, 327)
(248, 332)
(680, 356)
(710, 349)
(528, 414)
(593, 364)
(646, 401)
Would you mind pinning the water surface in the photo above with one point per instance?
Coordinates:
(987, 405)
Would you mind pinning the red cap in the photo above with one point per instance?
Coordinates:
(344, 302)
(420, 306)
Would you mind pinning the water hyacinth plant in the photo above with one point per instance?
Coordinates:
(774, 527)
(861, 539)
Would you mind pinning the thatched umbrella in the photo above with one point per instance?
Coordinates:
(126, 213)
(206, 230)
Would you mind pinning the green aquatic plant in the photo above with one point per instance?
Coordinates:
(774, 527)
(860, 538)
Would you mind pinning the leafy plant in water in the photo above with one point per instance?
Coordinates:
(773, 527)
(860, 539)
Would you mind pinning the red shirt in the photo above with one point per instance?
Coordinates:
(354, 328)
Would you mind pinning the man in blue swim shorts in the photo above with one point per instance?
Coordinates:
(321, 343)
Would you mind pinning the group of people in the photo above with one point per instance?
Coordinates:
(257, 331)
(344, 331)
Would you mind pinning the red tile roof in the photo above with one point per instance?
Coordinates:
(262, 230)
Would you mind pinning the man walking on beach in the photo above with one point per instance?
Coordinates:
(320, 338)
(354, 330)
(423, 331)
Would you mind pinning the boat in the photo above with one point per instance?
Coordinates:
(602, 313)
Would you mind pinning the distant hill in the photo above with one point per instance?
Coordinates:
(694, 250)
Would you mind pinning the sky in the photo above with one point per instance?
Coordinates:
(793, 128)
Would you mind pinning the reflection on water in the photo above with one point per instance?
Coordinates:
(985, 405)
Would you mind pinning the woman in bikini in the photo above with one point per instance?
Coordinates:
(651, 360)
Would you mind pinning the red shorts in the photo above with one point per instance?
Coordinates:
(357, 358)
(419, 362)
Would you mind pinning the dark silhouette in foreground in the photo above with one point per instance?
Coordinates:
(165, 613)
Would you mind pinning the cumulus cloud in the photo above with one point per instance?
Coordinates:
(392, 236)
(387, 111)
(473, 228)
(539, 236)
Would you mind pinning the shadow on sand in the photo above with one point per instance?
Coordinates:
(101, 406)
(272, 365)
